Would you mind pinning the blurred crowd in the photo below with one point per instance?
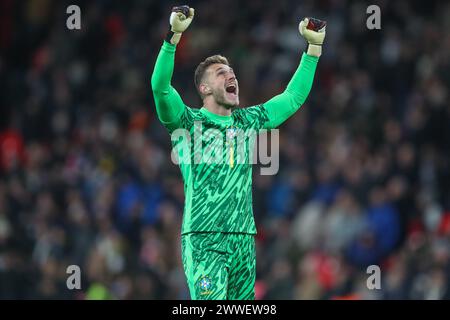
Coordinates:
(85, 171)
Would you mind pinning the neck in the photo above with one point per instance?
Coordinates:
(211, 105)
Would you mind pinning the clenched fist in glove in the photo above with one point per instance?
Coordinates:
(313, 30)
(180, 19)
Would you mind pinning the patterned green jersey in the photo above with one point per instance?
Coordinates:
(215, 152)
(218, 185)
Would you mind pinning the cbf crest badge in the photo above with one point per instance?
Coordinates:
(205, 285)
(231, 133)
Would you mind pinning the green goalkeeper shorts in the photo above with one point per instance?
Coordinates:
(219, 266)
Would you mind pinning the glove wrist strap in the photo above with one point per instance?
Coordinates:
(314, 50)
(173, 37)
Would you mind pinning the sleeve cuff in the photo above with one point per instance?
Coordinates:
(309, 58)
(169, 47)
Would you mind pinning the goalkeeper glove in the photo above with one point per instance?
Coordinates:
(180, 19)
(313, 30)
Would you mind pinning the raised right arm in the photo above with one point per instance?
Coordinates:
(169, 105)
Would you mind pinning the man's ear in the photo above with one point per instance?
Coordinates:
(205, 89)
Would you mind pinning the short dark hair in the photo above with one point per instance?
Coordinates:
(201, 68)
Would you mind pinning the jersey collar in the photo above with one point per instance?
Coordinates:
(216, 117)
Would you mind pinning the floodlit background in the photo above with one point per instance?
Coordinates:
(85, 170)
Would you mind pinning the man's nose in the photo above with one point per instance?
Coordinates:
(231, 76)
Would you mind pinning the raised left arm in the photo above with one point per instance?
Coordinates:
(284, 105)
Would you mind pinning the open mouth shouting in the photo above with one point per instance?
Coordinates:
(232, 91)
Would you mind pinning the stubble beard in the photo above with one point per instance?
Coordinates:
(220, 99)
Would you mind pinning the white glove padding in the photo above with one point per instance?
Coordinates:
(315, 33)
(179, 22)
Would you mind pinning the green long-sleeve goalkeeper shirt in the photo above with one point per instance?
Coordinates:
(215, 152)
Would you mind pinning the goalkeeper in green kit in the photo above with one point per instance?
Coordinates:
(218, 229)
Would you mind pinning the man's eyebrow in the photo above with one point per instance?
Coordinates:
(222, 68)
